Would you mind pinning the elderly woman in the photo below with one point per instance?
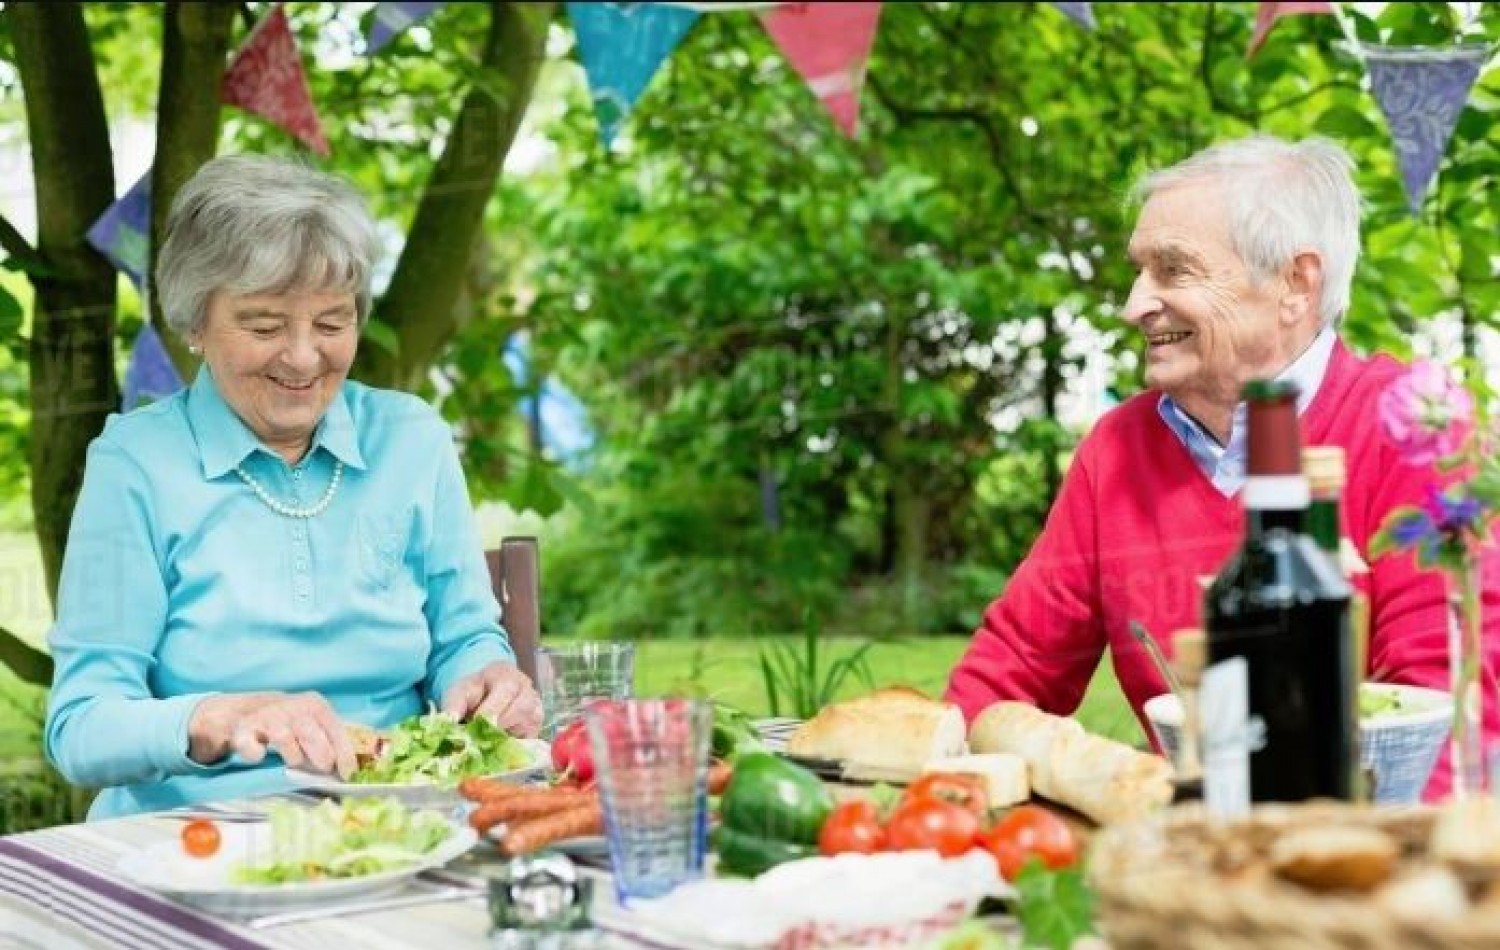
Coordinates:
(276, 550)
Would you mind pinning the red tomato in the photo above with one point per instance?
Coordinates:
(923, 823)
(200, 838)
(961, 789)
(1029, 831)
(571, 753)
(852, 826)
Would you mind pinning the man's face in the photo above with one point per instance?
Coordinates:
(1208, 327)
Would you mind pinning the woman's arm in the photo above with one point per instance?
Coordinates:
(104, 727)
(461, 608)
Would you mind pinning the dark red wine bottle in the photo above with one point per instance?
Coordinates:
(1282, 604)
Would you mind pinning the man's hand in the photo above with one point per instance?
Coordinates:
(501, 692)
(302, 728)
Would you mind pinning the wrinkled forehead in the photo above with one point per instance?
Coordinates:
(1188, 218)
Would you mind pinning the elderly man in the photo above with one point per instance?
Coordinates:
(1245, 254)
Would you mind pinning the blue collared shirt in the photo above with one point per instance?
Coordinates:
(1224, 465)
(180, 583)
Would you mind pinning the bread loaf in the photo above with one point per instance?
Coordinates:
(1106, 781)
(894, 729)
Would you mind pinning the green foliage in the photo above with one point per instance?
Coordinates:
(1055, 908)
(796, 682)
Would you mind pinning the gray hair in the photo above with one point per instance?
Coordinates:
(1283, 197)
(249, 224)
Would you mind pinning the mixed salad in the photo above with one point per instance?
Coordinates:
(339, 840)
(436, 749)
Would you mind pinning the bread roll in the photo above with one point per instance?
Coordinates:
(1107, 781)
(894, 730)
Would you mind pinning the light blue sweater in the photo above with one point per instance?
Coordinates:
(180, 583)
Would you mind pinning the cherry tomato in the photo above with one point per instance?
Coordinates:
(1029, 831)
(200, 838)
(853, 826)
(923, 823)
(961, 789)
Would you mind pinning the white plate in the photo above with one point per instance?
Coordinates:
(416, 795)
(205, 882)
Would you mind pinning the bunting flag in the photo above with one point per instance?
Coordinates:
(123, 232)
(393, 19)
(828, 44)
(1422, 90)
(266, 78)
(1080, 13)
(1267, 14)
(622, 45)
(150, 375)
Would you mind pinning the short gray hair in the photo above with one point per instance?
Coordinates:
(251, 224)
(1283, 197)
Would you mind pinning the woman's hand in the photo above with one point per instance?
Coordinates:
(302, 728)
(501, 692)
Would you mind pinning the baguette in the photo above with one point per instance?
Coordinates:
(892, 731)
(1106, 781)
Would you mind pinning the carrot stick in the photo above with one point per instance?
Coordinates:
(530, 803)
(526, 836)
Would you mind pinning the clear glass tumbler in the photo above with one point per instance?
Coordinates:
(571, 675)
(651, 762)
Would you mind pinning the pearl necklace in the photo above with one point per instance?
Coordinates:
(286, 510)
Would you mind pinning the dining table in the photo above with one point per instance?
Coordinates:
(63, 887)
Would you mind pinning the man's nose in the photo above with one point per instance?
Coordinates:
(1143, 300)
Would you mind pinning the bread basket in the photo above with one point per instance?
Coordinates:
(1183, 880)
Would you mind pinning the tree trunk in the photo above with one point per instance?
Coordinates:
(1052, 387)
(195, 47)
(420, 302)
(73, 385)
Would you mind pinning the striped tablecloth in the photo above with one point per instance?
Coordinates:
(59, 889)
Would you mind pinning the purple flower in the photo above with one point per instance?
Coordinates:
(1453, 515)
(1425, 414)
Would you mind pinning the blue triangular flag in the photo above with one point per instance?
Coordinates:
(1080, 13)
(150, 375)
(123, 231)
(392, 19)
(622, 45)
(1422, 90)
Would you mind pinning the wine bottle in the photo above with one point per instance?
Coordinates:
(1281, 607)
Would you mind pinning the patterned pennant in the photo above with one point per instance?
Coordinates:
(622, 45)
(266, 78)
(150, 375)
(829, 45)
(393, 19)
(123, 232)
(1422, 90)
(1267, 14)
(1080, 13)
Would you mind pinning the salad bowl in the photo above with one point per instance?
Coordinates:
(263, 868)
(421, 760)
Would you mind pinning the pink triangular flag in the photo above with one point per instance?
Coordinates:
(828, 44)
(265, 77)
(1267, 14)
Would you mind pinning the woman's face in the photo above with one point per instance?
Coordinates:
(279, 360)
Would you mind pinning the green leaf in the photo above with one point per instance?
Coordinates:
(383, 335)
(1056, 907)
(11, 315)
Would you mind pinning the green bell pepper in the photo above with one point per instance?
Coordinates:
(769, 797)
(747, 855)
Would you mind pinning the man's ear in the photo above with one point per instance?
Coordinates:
(1304, 289)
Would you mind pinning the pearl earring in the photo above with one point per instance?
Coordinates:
(193, 349)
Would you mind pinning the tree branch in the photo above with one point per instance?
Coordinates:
(16, 245)
(1205, 72)
(420, 303)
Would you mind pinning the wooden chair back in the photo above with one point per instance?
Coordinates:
(515, 575)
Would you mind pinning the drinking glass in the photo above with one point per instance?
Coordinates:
(571, 675)
(651, 764)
